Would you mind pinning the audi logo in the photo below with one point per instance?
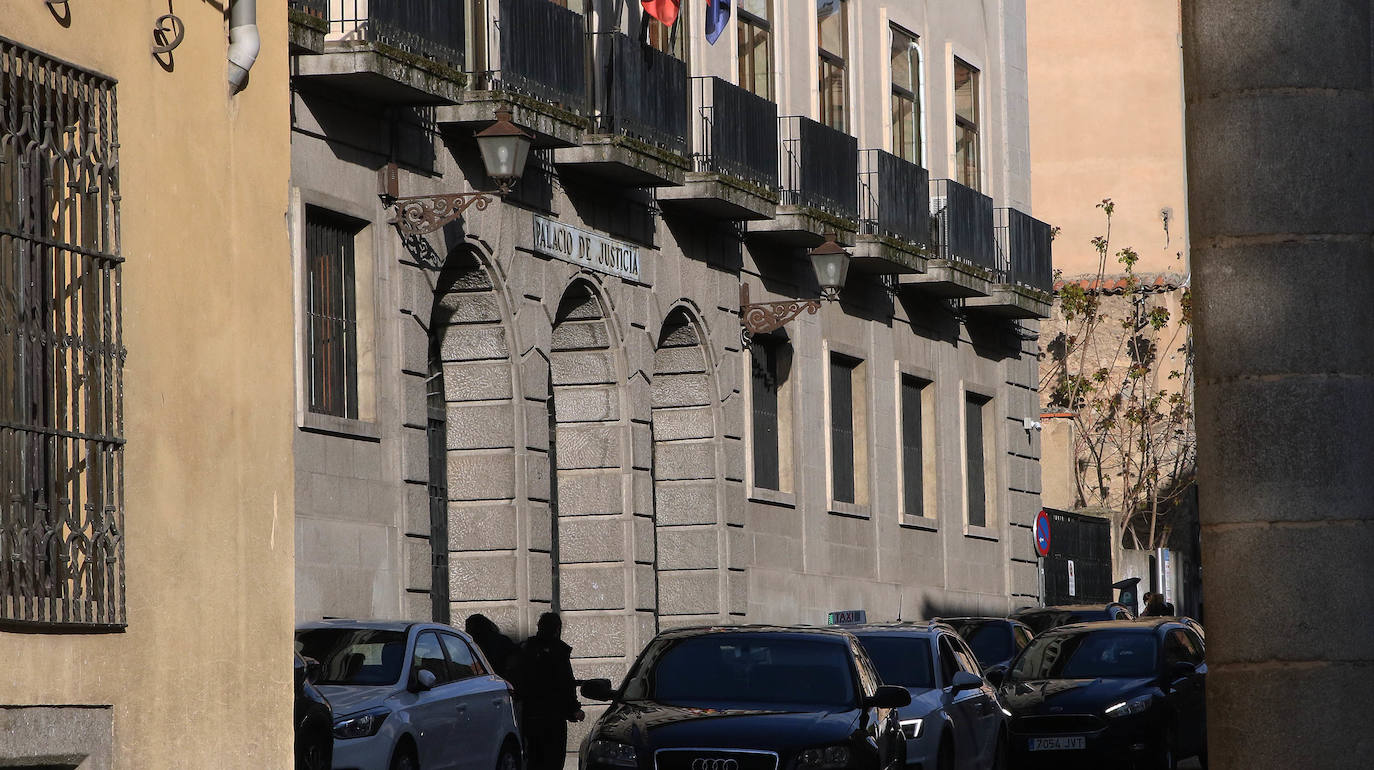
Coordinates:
(708, 763)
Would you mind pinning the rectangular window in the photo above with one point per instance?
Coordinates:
(754, 22)
(770, 361)
(913, 440)
(61, 346)
(832, 26)
(331, 314)
(906, 96)
(966, 125)
(848, 431)
(976, 444)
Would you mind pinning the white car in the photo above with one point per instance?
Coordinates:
(411, 696)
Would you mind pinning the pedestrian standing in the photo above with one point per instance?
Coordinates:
(499, 650)
(548, 694)
(1155, 607)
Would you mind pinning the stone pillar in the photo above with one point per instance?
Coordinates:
(1280, 137)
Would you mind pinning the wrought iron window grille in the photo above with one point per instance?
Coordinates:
(61, 348)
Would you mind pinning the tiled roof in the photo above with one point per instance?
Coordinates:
(1154, 283)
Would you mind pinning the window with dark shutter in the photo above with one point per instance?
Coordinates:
(842, 428)
(764, 400)
(331, 314)
(977, 492)
(913, 490)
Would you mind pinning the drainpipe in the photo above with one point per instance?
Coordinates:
(244, 42)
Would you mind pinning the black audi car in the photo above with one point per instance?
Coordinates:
(995, 641)
(1107, 694)
(747, 698)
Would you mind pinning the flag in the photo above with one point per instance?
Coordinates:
(663, 10)
(717, 19)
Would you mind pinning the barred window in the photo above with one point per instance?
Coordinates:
(331, 313)
(61, 347)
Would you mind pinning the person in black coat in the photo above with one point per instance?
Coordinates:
(547, 691)
(499, 650)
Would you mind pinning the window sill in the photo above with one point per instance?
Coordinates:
(772, 497)
(338, 426)
(920, 522)
(981, 533)
(849, 510)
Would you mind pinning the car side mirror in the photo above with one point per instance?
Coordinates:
(1180, 669)
(424, 681)
(598, 689)
(963, 680)
(995, 676)
(889, 696)
(312, 670)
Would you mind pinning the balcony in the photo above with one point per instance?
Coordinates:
(963, 259)
(639, 137)
(308, 24)
(1024, 276)
(735, 174)
(894, 219)
(542, 75)
(390, 51)
(818, 169)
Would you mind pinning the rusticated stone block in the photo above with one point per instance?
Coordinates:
(645, 589)
(689, 360)
(419, 576)
(539, 573)
(591, 539)
(538, 478)
(481, 527)
(581, 335)
(691, 547)
(472, 308)
(685, 460)
(677, 424)
(482, 577)
(685, 502)
(595, 634)
(591, 587)
(414, 455)
(671, 390)
(590, 493)
(534, 376)
(589, 404)
(588, 446)
(477, 381)
(694, 592)
(473, 476)
(486, 426)
(473, 343)
(540, 525)
(584, 367)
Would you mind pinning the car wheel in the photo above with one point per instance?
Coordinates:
(509, 759)
(404, 759)
(315, 756)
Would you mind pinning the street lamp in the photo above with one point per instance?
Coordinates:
(504, 146)
(831, 263)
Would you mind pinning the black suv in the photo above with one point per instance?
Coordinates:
(747, 698)
(1107, 694)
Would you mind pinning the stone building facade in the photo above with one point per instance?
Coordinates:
(515, 428)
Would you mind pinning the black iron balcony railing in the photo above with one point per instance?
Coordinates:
(1023, 250)
(645, 93)
(317, 8)
(544, 52)
(736, 132)
(819, 166)
(894, 197)
(425, 28)
(961, 224)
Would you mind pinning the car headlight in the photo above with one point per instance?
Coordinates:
(911, 728)
(361, 725)
(828, 758)
(1130, 707)
(603, 752)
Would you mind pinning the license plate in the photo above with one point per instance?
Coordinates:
(1058, 744)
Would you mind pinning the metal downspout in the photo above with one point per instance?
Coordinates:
(244, 42)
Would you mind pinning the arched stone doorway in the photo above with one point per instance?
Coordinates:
(472, 433)
(689, 530)
(602, 572)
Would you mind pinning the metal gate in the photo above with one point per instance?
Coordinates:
(1078, 569)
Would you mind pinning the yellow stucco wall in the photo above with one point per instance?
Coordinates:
(1106, 121)
(202, 676)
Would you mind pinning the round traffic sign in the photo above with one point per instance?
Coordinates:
(1042, 533)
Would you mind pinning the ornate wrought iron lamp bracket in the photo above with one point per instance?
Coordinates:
(423, 214)
(764, 317)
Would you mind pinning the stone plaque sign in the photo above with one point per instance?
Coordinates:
(585, 248)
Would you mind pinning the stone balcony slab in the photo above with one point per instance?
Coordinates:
(885, 255)
(721, 196)
(305, 32)
(949, 279)
(381, 74)
(624, 160)
(805, 226)
(1013, 301)
(552, 125)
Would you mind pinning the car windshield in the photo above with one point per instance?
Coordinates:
(366, 656)
(744, 669)
(990, 640)
(901, 660)
(1088, 655)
